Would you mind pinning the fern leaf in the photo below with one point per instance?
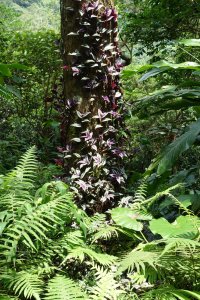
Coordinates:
(22, 176)
(105, 233)
(15, 189)
(170, 293)
(193, 294)
(26, 284)
(63, 288)
(181, 245)
(141, 193)
(14, 201)
(81, 252)
(177, 147)
(71, 239)
(138, 260)
(35, 224)
(106, 288)
(7, 297)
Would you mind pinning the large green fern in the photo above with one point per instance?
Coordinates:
(27, 284)
(63, 288)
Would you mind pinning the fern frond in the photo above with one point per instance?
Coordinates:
(106, 288)
(105, 233)
(7, 297)
(71, 239)
(150, 201)
(81, 252)
(25, 283)
(170, 293)
(35, 224)
(14, 201)
(180, 245)
(138, 260)
(141, 192)
(95, 222)
(23, 175)
(63, 288)
(16, 186)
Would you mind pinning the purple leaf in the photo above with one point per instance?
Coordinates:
(84, 162)
(87, 135)
(75, 71)
(106, 99)
(98, 160)
(83, 185)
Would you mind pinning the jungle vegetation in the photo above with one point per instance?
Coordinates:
(99, 150)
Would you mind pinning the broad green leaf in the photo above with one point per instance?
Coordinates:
(132, 70)
(18, 66)
(162, 66)
(176, 148)
(183, 226)
(5, 70)
(158, 67)
(179, 295)
(190, 42)
(194, 294)
(127, 218)
(185, 65)
(153, 72)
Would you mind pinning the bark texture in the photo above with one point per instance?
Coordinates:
(92, 114)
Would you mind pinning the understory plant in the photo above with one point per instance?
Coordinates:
(51, 249)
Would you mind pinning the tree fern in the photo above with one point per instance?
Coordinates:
(63, 288)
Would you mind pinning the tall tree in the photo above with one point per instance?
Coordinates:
(91, 109)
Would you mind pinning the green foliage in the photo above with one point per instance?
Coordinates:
(37, 235)
(181, 97)
(7, 91)
(26, 283)
(170, 293)
(183, 226)
(128, 218)
(38, 239)
(35, 15)
(29, 116)
(152, 23)
(148, 248)
(63, 288)
(107, 287)
(171, 153)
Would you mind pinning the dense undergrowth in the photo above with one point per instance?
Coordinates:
(50, 249)
(147, 245)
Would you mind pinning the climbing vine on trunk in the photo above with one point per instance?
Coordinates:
(92, 108)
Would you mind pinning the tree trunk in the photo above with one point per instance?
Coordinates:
(91, 119)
